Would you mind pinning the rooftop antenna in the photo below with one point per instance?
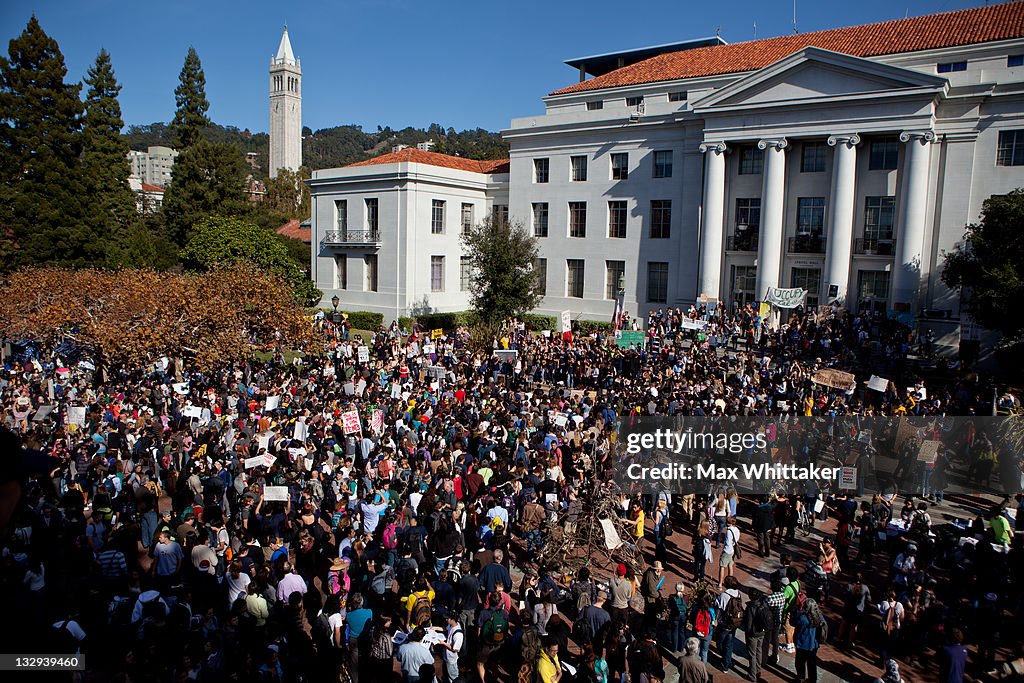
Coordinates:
(718, 30)
(794, 18)
(755, 29)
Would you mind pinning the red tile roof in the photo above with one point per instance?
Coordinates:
(417, 156)
(949, 29)
(295, 230)
(147, 187)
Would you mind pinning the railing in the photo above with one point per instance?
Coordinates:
(352, 237)
(807, 244)
(872, 247)
(741, 243)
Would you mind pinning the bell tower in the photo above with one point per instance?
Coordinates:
(285, 108)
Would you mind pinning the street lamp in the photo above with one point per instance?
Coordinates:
(334, 302)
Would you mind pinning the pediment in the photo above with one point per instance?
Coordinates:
(815, 74)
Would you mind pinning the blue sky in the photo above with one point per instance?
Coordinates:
(397, 62)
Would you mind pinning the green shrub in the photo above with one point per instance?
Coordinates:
(591, 326)
(406, 323)
(365, 320)
(445, 321)
(538, 323)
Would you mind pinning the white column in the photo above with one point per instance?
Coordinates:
(773, 195)
(712, 219)
(906, 278)
(839, 237)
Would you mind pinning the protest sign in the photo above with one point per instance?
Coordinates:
(350, 388)
(612, 540)
(928, 452)
(350, 422)
(436, 333)
(437, 371)
(848, 478)
(364, 354)
(506, 354)
(181, 388)
(837, 379)
(428, 349)
(42, 413)
(689, 324)
(269, 460)
(76, 415)
(275, 493)
(360, 387)
(258, 461)
(561, 419)
(565, 322)
(263, 439)
(192, 412)
(877, 383)
(273, 402)
(786, 298)
(625, 339)
(377, 421)
(301, 430)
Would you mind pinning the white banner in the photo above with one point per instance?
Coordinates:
(694, 324)
(877, 383)
(76, 415)
(364, 354)
(254, 462)
(273, 402)
(786, 298)
(192, 412)
(565, 322)
(611, 536)
(274, 493)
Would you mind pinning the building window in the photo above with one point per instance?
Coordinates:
(540, 219)
(437, 216)
(577, 219)
(613, 270)
(540, 268)
(341, 270)
(617, 219)
(657, 282)
(1011, 148)
(465, 273)
(663, 163)
(500, 213)
(677, 96)
(437, 273)
(620, 166)
(949, 67)
(744, 282)
(579, 168)
(372, 213)
(595, 105)
(885, 155)
(574, 278)
(872, 286)
(370, 267)
(812, 157)
(661, 219)
(467, 218)
(748, 213)
(1015, 60)
(810, 216)
(341, 215)
(879, 214)
(809, 279)
(634, 101)
(540, 170)
(751, 160)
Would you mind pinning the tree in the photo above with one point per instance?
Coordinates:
(136, 316)
(190, 97)
(41, 193)
(112, 204)
(989, 267)
(502, 256)
(219, 241)
(287, 194)
(209, 179)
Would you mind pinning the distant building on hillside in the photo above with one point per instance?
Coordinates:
(297, 230)
(148, 197)
(154, 166)
(426, 146)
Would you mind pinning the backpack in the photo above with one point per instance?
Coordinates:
(323, 629)
(919, 525)
(665, 528)
(334, 582)
(823, 631)
(734, 612)
(762, 618)
(383, 581)
(581, 631)
(421, 610)
(495, 628)
(390, 537)
(63, 641)
(702, 622)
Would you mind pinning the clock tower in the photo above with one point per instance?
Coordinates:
(285, 109)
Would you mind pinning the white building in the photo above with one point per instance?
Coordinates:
(285, 108)
(387, 231)
(154, 166)
(843, 161)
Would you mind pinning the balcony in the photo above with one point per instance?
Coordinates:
(741, 242)
(806, 244)
(365, 239)
(873, 247)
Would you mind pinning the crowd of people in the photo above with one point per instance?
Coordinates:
(383, 510)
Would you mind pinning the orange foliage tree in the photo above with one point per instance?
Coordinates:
(136, 316)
